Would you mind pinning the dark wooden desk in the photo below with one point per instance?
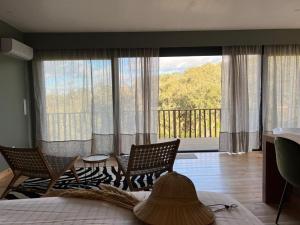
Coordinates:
(273, 183)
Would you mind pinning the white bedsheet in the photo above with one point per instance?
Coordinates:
(66, 211)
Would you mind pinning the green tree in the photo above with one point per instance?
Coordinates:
(195, 88)
(198, 87)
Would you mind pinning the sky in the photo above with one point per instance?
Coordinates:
(64, 75)
(180, 64)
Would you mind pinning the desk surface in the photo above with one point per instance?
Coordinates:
(288, 135)
(57, 210)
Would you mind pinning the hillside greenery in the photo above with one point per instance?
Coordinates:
(195, 88)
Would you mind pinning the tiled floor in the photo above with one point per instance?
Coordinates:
(196, 144)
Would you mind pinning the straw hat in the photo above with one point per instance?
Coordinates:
(173, 201)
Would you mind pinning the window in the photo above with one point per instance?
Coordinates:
(75, 92)
(190, 100)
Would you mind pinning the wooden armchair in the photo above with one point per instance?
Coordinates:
(31, 162)
(145, 159)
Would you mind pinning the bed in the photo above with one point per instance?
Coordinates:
(65, 211)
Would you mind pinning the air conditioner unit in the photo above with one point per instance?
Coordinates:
(16, 49)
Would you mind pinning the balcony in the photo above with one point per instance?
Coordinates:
(198, 129)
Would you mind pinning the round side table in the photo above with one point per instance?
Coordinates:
(94, 161)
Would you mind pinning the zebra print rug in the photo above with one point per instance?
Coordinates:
(90, 178)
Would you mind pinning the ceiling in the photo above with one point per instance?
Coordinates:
(149, 15)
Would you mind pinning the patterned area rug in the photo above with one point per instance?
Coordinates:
(89, 179)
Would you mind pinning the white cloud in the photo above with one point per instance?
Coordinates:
(180, 64)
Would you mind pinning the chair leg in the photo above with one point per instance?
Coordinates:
(119, 170)
(127, 177)
(283, 198)
(75, 174)
(51, 184)
(10, 185)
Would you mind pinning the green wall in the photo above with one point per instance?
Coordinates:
(48, 41)
(14, 125)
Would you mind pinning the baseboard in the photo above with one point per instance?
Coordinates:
(5, 173)
(197, 151)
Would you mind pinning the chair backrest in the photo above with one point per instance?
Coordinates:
(153, 157)
(288, 160)
(26, 161)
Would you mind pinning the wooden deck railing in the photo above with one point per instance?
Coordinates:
(189, 123)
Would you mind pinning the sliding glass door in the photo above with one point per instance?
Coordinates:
(190, 101)
(89, 104)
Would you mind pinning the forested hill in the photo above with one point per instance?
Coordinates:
(198, 87)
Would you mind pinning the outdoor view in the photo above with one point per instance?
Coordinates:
(190, 98)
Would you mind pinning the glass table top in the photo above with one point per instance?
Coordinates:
(95, 158)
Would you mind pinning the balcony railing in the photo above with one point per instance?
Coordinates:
(189, 123)
(172, 123)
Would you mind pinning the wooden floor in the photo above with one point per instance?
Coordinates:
(239, 176)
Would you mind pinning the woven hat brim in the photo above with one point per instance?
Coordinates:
(195, 214)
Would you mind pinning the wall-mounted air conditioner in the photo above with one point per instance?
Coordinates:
(16, 49)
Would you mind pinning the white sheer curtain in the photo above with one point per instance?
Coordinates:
(281, 87)
(241, 75)
(138, 78)
(87, 101)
